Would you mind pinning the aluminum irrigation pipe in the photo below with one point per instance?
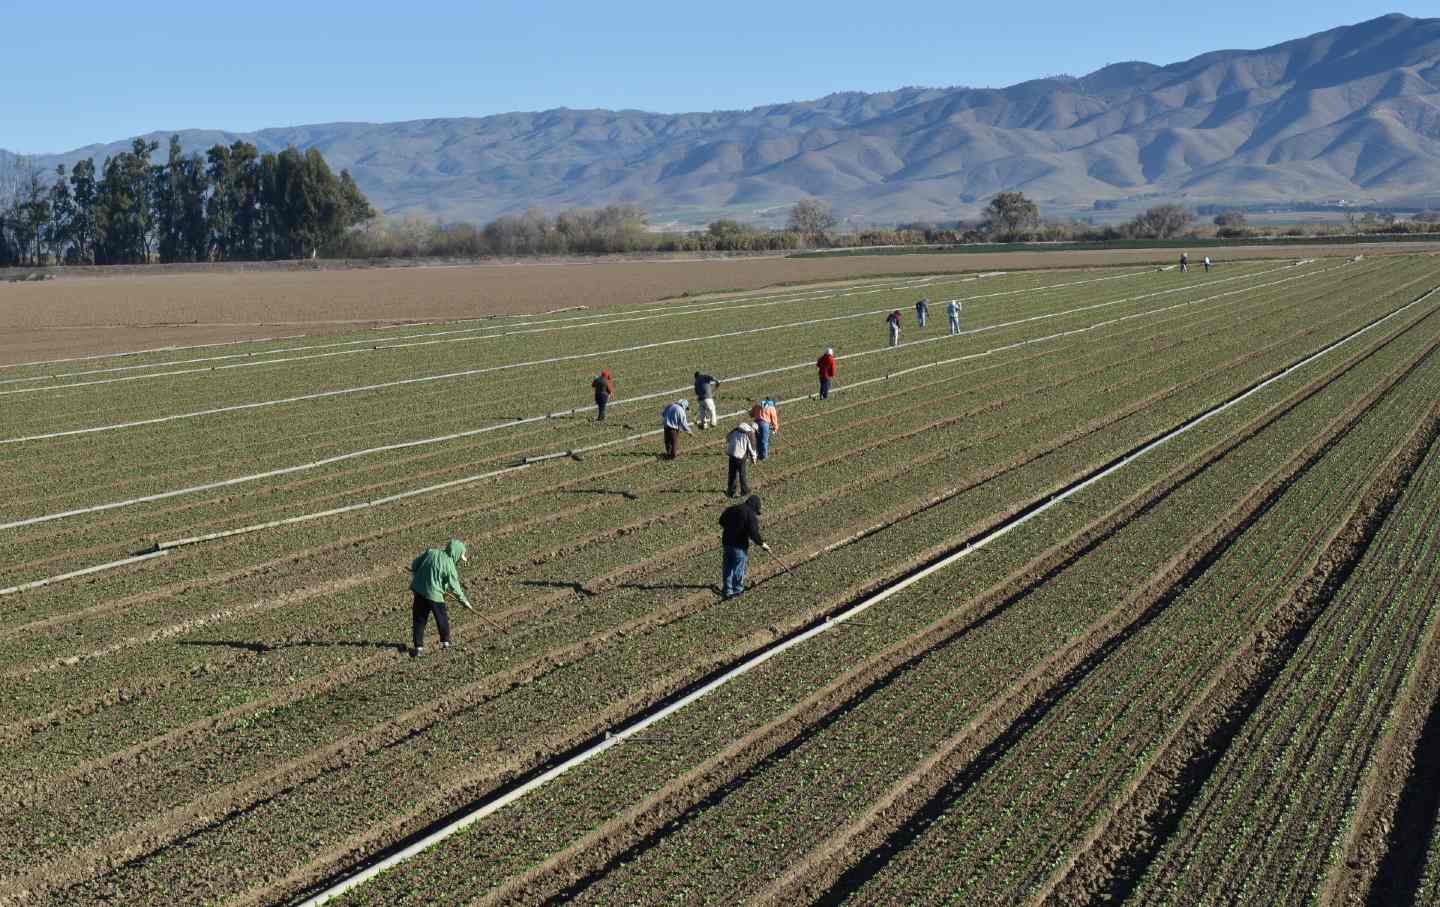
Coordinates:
(510, 333)
(580, 451)
(670, 311)
(405, 445)
(471, 372)
(615, 738)
(573, 452)
(375, 347)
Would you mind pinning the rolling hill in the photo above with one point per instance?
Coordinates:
(1351, 112)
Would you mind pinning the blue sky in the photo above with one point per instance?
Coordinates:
(89, 71)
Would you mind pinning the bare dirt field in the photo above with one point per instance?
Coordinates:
(103, 310)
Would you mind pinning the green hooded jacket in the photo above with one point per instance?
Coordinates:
(434, 572)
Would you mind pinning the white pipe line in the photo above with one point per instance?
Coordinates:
(508, 333)
(191, 540)
(374, 348)
(613, 739)
(471, 372)
(668, 311)
(25, 587)
(405, 445)
(654, 432)
(157, 349)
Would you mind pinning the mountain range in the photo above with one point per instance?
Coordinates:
(1350, 113)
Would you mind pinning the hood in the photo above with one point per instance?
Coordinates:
(604, 373)
(753, 503)
(683, 404)
(829, 351)
(697, 376)
(456, 550)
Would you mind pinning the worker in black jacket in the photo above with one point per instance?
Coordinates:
(740, 525)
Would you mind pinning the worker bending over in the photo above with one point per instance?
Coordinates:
(739, 525)
(705, 386)
(432, 574)
(674, 421)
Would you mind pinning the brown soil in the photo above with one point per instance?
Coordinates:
(112, 310)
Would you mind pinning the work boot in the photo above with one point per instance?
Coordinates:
(444, 645)
(418, 652)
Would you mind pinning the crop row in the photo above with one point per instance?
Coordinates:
(292, 494)
(113, 671)
(174, 357)
(788, 804)
(535, 825)
(629, 659)
(183, 453)
(1291, 772)
(61, 409)
(1105, 722)
(282, 498)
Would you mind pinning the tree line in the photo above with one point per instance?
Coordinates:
(231, 204)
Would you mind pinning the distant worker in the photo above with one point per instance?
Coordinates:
(826, 366)
(1184, 262)
(740, 525)
(1207, 264)
(767, 422)
(705, 393)
(604, 387)
(433, 573)
(922, 312)
(894, 321)
(740, 445)
(674, 421)
(954, 311)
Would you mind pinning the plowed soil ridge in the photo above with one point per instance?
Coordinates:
(1144, 823)
(1023, 510)
(914, 808)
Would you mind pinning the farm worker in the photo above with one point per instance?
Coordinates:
(767, 422)
(740, 444)
(740, 525)
(1207, 264)
(1184, 262)
(674, 421)
(433, 573)
(922, 311)
(954, 311)
(826, 366)
(893, 319)
(604, 387)
(705, 393)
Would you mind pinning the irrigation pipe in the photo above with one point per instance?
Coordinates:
(422, 442)
(239, 407)
(373, 342)
(616, 737)
(166, 546)
(639, 436)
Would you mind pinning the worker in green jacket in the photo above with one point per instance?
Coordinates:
(431, 575)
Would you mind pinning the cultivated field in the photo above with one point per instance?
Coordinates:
(1129, 593)
(99, 310)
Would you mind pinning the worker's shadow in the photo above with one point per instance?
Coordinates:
(627, 495)
(262, 647)
(672, 587)
(577, 588)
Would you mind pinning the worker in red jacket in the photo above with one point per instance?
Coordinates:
(826, 366)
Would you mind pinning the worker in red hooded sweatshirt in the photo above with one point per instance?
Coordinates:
(604, 387)
(826, 366)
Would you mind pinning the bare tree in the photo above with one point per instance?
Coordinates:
(813, 217)
(1164, 221)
